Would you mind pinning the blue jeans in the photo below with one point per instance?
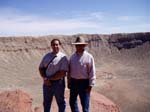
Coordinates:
(78, 87)
(57, 89)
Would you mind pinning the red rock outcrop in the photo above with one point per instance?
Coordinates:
(15, 101)
(19, 101)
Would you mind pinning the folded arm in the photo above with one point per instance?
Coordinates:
(58, 75)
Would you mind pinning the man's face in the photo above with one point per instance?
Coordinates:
(80, 48)
(55, 46)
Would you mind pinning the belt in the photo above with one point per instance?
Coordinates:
(55, 80)
(79, 80)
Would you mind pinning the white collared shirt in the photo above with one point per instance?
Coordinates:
(60, 62)
(83, 67)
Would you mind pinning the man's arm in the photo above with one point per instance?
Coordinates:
(58, 75)
(41, 67)
(68, 79)
(63, 70)
(43, 75)
(42, 72)
(92, 75)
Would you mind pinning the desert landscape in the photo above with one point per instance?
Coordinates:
(122, 69)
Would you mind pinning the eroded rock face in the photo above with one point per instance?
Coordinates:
(128, 41)
(15, 101)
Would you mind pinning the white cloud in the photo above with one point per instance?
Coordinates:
(124, 18)
(18, 24)
(14, 23)
(24, 24)
(130, 18)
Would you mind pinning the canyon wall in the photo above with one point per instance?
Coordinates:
(122, 64)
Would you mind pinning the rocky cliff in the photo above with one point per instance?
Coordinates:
(122, 62)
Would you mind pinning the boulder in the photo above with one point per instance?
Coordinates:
(15, 101)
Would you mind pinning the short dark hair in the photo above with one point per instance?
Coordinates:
(55, 40)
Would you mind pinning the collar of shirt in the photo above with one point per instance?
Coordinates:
(56, 55)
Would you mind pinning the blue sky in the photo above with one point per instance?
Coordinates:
(46, 17)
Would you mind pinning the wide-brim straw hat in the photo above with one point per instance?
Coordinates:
(80, 41)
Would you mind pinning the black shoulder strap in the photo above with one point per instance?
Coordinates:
(51, 60)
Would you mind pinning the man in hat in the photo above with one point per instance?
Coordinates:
(81, 76)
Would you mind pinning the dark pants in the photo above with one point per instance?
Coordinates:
(78, 87)
(57, 89)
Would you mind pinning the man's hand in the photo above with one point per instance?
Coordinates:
(68, 82)
(69, 85)
(88, 90)
(46, 82)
